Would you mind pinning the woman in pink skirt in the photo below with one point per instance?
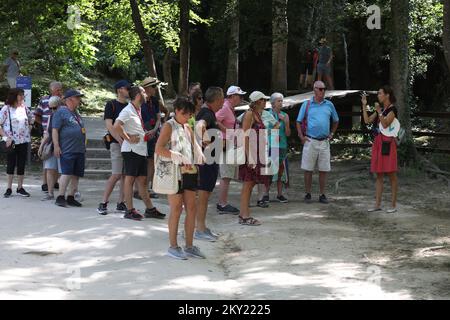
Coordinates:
(384, 149)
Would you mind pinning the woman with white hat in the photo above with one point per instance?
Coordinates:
(384, 149)
(251, 172)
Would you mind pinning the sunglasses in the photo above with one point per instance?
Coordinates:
(199, 98)
(321, 89)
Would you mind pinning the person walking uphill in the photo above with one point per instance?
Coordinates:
(69, 141)
(384, 149)
(15, 120)
(11, 67)
(130, 126)
(317, 113)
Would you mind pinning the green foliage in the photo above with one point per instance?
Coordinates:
(160, 19)
(42, 28)
(426, 32)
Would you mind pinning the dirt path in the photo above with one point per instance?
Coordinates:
(301, 251)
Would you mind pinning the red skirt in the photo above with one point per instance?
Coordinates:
(247, 174)
(380, 163)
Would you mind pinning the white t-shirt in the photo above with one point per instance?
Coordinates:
(133, 126)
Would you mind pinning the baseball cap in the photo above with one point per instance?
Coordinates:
(257, 95)
(72, 93)
(235, 90)
(121, 84)
(150, 81)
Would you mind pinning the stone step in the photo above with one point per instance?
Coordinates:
(98, 174)
(105, 161)
(95, 143)
(97, 153)
(98, 163)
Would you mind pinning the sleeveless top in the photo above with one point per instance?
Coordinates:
(181, 141)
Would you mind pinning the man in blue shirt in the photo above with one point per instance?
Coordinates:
(69, 141)
(318, 114)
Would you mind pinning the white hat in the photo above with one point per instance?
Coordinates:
(235, 90)
(54, 101)
(392, 130)
(257, 95)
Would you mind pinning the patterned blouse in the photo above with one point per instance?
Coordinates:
(21, 118)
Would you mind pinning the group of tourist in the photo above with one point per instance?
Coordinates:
(196, 141)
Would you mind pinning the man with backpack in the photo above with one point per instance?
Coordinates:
(313, 126)
(114, 141)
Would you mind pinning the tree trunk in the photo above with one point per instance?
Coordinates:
(233, 50)
(167, 73)
(279, 45)
(145, 42)
(184, 47)
(446, 34)
(347, 74)
(399, 68)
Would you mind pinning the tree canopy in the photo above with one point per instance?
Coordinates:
(68, 39)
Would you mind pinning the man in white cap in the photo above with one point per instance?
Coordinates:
(226, 119)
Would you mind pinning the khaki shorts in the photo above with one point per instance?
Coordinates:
(116, 159)
(316, 153)
(229, 171)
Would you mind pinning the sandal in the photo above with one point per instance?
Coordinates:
(249, 221)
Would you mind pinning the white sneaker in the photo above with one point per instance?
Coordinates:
(392, 210)
(78, 197)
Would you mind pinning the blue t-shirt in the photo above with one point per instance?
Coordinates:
(319, 116)
(70, 127)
